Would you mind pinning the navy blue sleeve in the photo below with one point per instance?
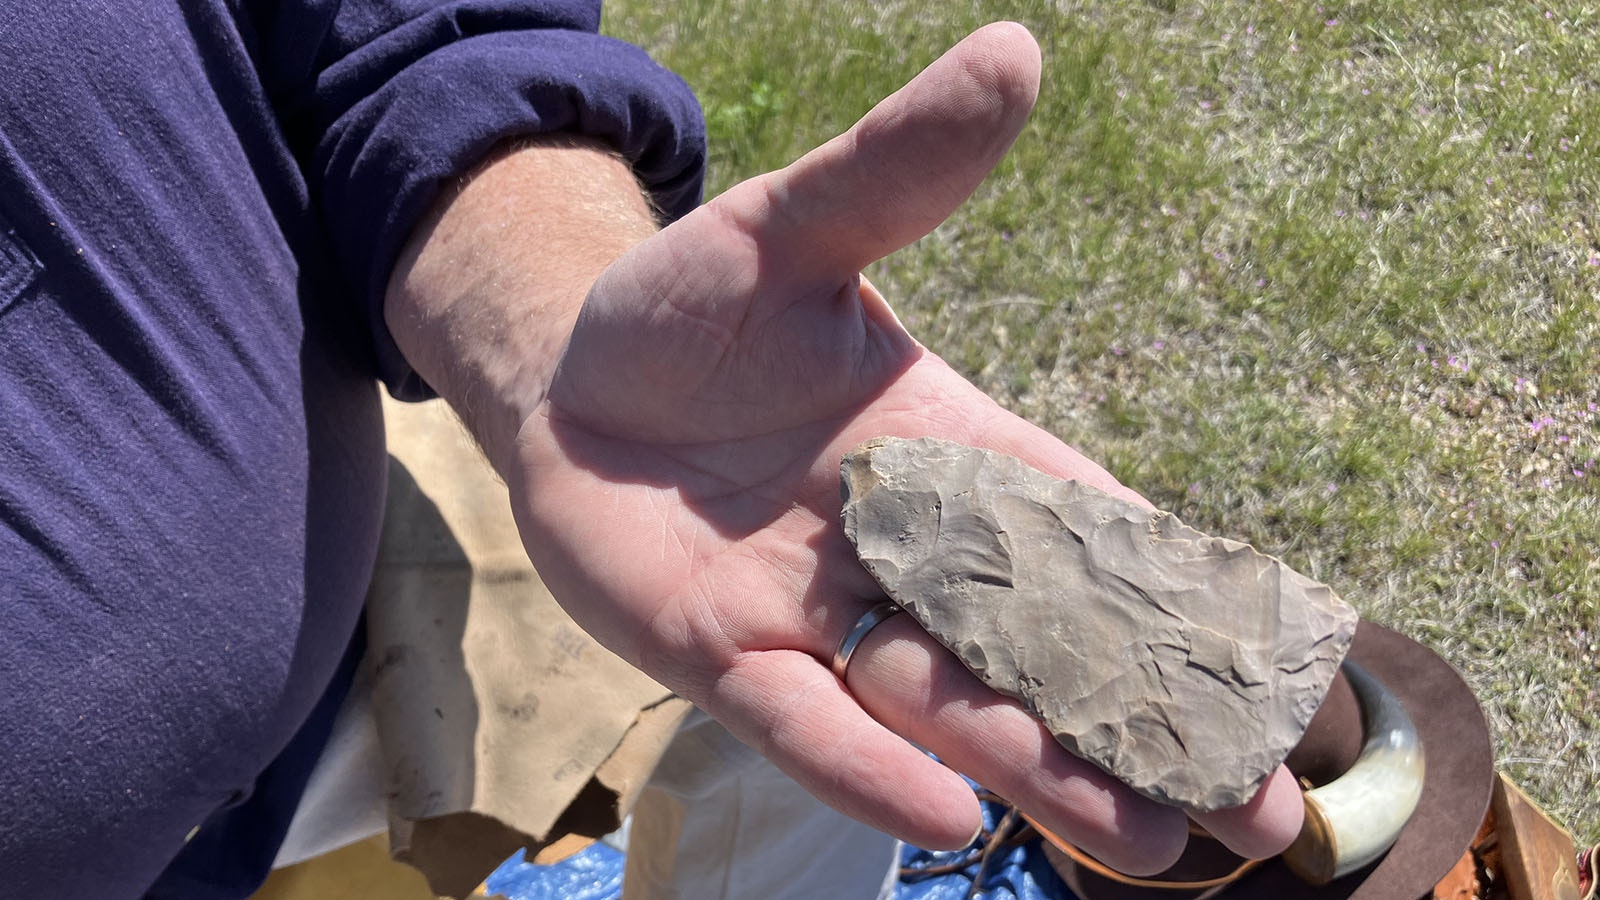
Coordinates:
(194, 198)
(385, 100)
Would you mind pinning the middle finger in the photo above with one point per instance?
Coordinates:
(914, 686)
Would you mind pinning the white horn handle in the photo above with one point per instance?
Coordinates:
(1353, 819)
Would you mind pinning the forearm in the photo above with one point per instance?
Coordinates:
(486, 291)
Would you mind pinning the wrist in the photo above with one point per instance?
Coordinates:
(487, 288)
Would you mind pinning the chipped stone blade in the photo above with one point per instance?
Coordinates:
(1185, 665)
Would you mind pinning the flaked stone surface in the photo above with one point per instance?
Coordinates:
(1185, 665)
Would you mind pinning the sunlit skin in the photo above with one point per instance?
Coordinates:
(674, 463)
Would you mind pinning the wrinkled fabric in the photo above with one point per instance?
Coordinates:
(199, 204)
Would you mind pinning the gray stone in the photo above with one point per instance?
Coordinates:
(1185, 665)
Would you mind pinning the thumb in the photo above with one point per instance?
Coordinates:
(903, 168)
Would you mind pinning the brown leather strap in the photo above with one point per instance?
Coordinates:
(1088, 862)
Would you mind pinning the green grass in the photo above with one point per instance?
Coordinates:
(1326, 279)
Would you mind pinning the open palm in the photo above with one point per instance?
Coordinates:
(679, 485)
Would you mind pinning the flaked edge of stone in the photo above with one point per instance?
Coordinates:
(858, 475)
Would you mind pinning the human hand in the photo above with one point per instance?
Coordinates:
(678, 483)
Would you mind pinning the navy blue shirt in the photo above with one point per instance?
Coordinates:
(200, 202)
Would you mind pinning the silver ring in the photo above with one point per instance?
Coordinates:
(857, 632)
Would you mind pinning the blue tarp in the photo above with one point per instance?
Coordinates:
(1020, 873)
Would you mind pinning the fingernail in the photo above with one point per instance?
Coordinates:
(976, 833)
